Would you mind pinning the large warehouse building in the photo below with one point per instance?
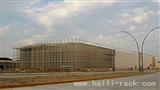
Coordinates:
(78, 56)
(129, 59)
(65, 56)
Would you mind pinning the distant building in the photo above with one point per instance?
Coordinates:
(6, 63)
(124, 60)
(158, 64)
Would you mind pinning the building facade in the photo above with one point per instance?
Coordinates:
(64, 56)
(126, 60)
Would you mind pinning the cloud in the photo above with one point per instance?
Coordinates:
(4, 30)
(101, 37)
(137, 15)
(47, 14)
(157, 1)
(132, 28)
(97, 21)
(140, 17)
(117, 41)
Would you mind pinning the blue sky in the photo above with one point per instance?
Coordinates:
(32, 21)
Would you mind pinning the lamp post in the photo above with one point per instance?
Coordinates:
(140, 53)
(137, 47)
(144, 41)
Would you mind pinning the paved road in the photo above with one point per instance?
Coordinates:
(15, 75)
(144, 82)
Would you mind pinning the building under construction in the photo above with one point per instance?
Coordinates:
(74, 56)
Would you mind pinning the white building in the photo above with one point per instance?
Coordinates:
(158, 64)
(125, 60)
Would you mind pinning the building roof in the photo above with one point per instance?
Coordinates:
(54, 44)
(5, 58)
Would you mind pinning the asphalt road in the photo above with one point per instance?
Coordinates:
(143, 82)
(15, 75)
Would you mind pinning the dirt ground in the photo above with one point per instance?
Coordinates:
(42, 80)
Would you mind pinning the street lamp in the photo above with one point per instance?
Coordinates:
(144, 40)
(137, 47)
(140, 53)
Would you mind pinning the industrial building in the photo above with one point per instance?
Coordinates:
(158, 64)
(73, 56)
(129, 59)
(6, 63)
(77, 56)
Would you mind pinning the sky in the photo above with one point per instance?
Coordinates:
(99, 21)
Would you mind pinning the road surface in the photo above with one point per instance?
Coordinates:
(143, 82)
(15, 75)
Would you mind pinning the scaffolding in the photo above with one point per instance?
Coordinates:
(65, 55)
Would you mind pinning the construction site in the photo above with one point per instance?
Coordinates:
(65, 56)
(76, 55)
(70, 60)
